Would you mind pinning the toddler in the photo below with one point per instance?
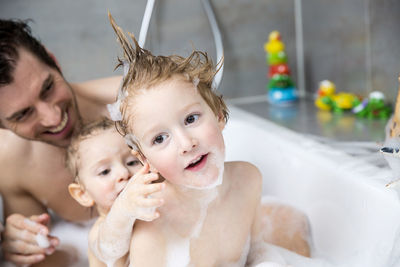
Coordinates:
(103, 166)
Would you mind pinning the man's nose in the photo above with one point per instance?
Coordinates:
(50, 114)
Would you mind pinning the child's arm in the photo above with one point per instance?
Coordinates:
(109, 239)
(259, 252)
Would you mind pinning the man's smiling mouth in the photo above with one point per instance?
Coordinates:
(61, 126)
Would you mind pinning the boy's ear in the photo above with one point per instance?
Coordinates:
(80, 195)
(221, 121)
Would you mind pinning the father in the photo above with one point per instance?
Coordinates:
(38, 104)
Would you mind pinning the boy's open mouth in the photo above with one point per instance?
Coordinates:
(197, 163)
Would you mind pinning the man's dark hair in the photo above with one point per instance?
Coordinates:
(15, 34)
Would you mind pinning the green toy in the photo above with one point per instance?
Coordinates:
(373, 107)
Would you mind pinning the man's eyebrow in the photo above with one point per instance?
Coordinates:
(45, 84)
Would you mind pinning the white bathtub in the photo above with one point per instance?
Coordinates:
(354, 219)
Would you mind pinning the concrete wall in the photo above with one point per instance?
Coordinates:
(354, 43)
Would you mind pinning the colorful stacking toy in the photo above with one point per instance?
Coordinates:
(281, 89)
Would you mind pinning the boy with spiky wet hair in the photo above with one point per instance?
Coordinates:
(168, 111)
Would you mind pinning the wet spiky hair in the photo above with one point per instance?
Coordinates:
(147, 70)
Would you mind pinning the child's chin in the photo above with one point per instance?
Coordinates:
(208, 181)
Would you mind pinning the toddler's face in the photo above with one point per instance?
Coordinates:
(179, 134)
(105, 167)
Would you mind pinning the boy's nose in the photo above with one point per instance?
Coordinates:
(187, 143)
(50, 115)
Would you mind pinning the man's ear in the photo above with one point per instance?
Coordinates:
(80, 195)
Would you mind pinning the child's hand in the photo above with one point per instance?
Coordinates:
(137, 198)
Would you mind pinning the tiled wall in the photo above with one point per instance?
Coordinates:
(354, 43)
(341, 43)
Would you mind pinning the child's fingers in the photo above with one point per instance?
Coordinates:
(150, 216)
(148, 178)
(145, 169)
(152, 188)
(151, 202)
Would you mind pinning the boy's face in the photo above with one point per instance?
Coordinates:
(105, 166)
(38, 104)
(179, 134)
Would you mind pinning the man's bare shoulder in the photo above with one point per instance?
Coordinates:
(102, 91)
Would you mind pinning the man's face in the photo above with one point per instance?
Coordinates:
(179, 134)
(39, 104)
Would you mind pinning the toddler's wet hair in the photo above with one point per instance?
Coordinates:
(84, 132)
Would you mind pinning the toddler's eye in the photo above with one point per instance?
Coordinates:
(159, 139)
(104, 172)
(191, 118)
(133, 163)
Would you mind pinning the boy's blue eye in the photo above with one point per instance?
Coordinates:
(191, 118)
(104, 172)
(159, 139)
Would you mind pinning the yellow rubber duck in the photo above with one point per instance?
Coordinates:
(274, 44)
(328, 100)
(326, 88)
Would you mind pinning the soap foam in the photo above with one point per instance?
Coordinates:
(42, 241)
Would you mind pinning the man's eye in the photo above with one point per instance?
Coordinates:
(133, 163)
(191, 119)
(104, 172)
(47, 90)
(24, 114)
(159, 139)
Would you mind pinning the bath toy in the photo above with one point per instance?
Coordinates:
(281, 88)
(373, 107)
(274, 44)
(278, 69)
(280, 81)
(328, 100)
(277, 58)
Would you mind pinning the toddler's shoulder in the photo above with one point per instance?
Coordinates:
(244, 172)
